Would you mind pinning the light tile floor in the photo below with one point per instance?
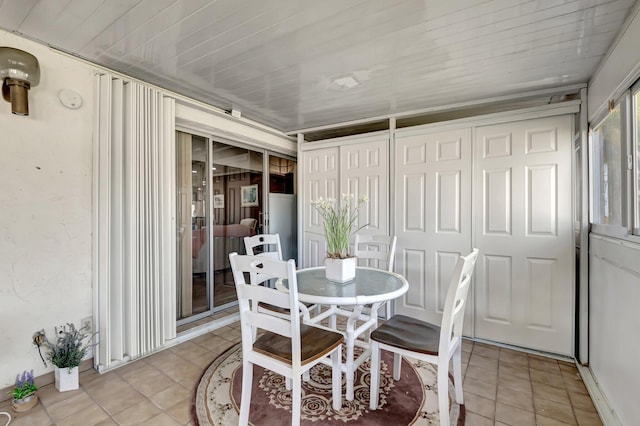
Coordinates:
(501, 387)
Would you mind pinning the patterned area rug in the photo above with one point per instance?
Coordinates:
(412, 400)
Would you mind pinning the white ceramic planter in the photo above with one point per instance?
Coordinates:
(66, 380)
(340, 270)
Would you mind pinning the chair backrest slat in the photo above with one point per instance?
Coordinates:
(268, 322)
(376, 250)
(456, 301)
(263, 245)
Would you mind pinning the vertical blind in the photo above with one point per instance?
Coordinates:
(134, 200)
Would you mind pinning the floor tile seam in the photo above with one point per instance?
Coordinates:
(110, 415)
(161, 373)
(548, 384)
(495, 393)
(515, 406)
(509, 377)
(573, 413)
(44, 407)
(480, 415)
(92, 399)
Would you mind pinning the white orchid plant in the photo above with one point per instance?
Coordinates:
(339, 222)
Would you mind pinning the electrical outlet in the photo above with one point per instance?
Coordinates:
(86, 325)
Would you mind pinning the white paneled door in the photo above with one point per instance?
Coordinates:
(364, 170)
(523, 227)
(321, 176)
(357, 166)
(433, 216)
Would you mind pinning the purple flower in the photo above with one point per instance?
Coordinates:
(25, 385)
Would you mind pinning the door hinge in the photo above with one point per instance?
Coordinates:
(629, 162)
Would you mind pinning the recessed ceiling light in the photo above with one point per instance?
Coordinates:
(346, 82)
(194, 171)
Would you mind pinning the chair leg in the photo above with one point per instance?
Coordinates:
(350, 342)
(375, 376)
(245, 403)
(443, 392)
(333, 323)
(457, 375)
(397, 366)
(336, 378)
(296, 400)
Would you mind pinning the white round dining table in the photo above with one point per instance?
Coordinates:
(371, 288)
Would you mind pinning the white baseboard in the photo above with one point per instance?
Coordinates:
(607, 415)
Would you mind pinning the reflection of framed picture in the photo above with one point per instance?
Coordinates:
(218, 201)
(249, 196)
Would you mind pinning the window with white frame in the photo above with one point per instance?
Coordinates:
(607, 178)
(615, 167)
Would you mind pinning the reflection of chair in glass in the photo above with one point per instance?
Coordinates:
(286, 346)
(379, 251)
(250, 222)
(431, 343)
(263, 245)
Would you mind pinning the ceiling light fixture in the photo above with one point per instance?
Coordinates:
(346, 82)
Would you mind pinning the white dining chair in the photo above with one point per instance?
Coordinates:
(405, 336)
(287, 346)
(377, 251)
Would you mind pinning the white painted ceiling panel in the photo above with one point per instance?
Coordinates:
(276, 60)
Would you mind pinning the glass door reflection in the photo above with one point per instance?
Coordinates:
(193, 289)
(236, 187)
(282, 208)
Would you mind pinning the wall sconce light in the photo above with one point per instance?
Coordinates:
(19, 71)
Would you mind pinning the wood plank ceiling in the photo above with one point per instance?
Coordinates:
(277, 61)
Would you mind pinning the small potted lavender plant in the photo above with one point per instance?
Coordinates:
(66, 354)
(24, 393)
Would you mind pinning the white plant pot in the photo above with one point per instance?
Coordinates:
(340, 270)
(66, 379)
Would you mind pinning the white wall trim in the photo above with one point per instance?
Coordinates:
(344, 140)
(554, 91)
(207, 123)
(204, 329)
(569, 107)
(606, 413)
(617, 66)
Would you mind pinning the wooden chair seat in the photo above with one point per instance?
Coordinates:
(314, 343)
(279, 310)
(409, 333)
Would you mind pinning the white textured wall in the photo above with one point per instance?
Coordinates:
(620, 69)
(45, 210)
(46, 171)
(614, 323)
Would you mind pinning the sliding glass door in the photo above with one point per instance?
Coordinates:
(225, 192)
